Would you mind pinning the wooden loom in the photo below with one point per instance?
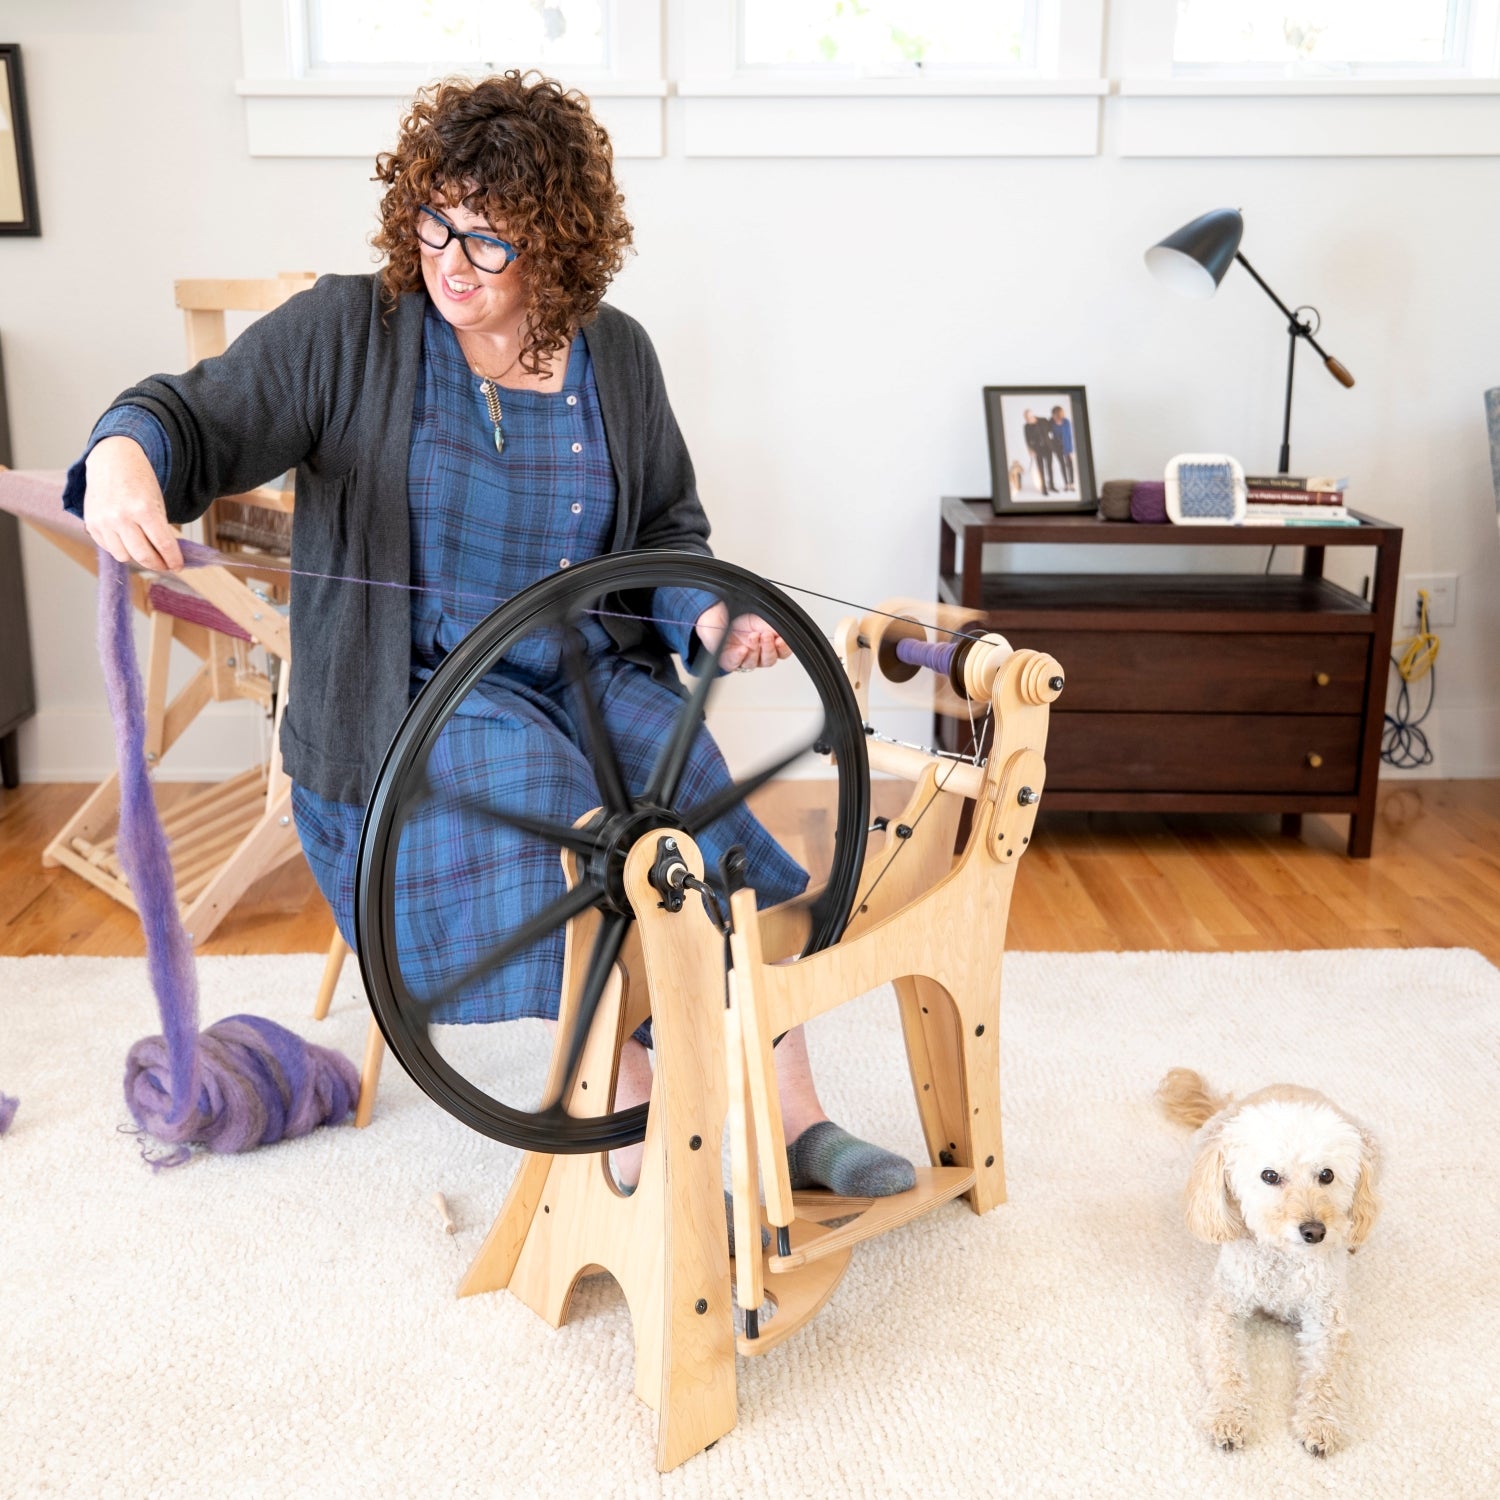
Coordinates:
(226, 836)
(931, 922)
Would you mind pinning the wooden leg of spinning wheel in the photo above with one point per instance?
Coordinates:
(493, 1266)
(338, 951)
(689, 1099)
(954, 1053)
(982, 1146)
(369, 1075)
(930, 1026)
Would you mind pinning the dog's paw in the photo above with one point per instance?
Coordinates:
(1229, 1427)
(1320, 1435)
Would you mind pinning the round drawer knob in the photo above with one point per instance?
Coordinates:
(1314, 759)
(1322, 679)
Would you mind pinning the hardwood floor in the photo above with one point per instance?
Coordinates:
(1089, 881)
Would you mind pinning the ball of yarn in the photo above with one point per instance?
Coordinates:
(1114, 499)
(257, 1083)
(1148, 502)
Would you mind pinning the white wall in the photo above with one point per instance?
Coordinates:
(825, 325)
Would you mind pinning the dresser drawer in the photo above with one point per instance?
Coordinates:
(1206, 672)
(1131, 752)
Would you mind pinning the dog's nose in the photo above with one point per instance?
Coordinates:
(1312, 1231)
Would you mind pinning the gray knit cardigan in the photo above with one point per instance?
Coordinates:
(324, 385)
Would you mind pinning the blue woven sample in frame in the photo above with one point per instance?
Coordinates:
(1205, 491)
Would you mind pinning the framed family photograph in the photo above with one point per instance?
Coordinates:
(1040, 458)
(18, 214)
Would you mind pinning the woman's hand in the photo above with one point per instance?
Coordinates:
(123, 508)
(751, 641)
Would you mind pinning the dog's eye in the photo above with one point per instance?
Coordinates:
(1326, 1176)
(1271, 1177)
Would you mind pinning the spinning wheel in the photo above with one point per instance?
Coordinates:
(588, 596)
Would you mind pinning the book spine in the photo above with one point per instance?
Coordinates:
(1316, 483)
(1294, 497)
(1318, 520)
(1310, 513)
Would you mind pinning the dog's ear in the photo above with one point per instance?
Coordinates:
(1211, 1213)
(1366, 1205)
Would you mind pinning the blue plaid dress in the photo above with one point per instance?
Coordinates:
(484, 526)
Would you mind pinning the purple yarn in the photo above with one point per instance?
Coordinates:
(936, 656)
(245, 1081)
(260, 1084)
(8, 1106)
(1148, 501)
(142, 845)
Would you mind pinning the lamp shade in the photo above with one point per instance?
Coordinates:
(1192, 260)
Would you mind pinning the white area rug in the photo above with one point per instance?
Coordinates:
(284, 1323)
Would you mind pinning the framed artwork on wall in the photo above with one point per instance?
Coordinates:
(18, 211)
(1040, 458)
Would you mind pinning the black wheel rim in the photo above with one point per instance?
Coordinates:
(403, 1017)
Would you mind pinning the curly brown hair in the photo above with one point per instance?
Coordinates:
(523, 151)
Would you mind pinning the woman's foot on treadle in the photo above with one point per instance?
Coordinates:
(825, 1155)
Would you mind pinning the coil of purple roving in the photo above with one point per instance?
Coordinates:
(937, 656)
(244, 1081)
(1148, 501)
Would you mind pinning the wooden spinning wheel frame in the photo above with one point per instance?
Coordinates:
(933, 903)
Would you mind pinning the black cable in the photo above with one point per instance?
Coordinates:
(1402, 744)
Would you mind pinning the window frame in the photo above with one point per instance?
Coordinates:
(294, 110)
(1166, 109)
(730, 109)
(1105, 79)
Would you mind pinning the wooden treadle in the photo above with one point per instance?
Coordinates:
(934, 1185)
(202, 831)
(798, 1295)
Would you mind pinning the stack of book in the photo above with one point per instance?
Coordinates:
(1296, 500)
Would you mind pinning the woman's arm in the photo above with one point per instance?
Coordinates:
(284, 393)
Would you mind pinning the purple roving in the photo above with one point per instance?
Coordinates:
(8, 1106)
(244, 1081)
(937, 656)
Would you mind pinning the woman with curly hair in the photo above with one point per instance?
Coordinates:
(466, 421)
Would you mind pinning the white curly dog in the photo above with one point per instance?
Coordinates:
(1285, 1184)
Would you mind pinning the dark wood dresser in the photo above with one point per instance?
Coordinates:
(1194, 691)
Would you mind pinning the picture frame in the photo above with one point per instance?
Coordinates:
(1035, 471)
(18, 206)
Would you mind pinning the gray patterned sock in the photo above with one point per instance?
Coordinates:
(825, 1155)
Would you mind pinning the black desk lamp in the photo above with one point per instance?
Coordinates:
(1193, 260)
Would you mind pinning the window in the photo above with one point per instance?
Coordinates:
(331, 77)
(885, 36)
(1313, 37)
(364, 36)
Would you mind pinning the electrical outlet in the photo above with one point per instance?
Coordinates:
(1442, 599)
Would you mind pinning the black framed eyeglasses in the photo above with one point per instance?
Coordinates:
(483, 251)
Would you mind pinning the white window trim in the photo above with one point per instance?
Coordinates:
(289, 113)
(728, 110)
(1199, 111)
(1058, 110)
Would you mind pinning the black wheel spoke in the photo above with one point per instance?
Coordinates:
(607, 773)
(725, 800)
(581, 841)
(670, 764)
(548, 919)
(607, 944)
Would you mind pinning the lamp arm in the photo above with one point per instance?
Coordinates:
(1299, 329)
